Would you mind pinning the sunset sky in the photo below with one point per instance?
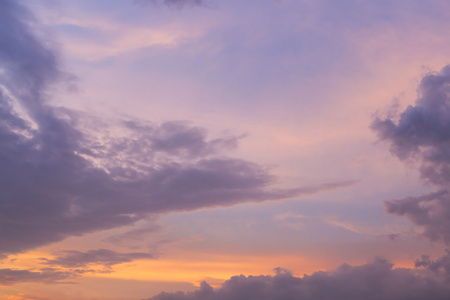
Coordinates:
(155, 146)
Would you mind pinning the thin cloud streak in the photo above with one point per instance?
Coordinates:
(179, 4)
(47, 276)
(104, 257)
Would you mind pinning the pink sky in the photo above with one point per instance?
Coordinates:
(147, 146)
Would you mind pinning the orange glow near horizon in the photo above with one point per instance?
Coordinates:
(192, 269)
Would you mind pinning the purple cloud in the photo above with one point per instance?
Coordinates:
(422, 134)
(104, 257)
(431, 212)
(175, 3)
(48, 275)
(373, 281)
(64, 174)
(440, 266)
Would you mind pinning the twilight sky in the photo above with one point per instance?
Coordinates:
(224, 150)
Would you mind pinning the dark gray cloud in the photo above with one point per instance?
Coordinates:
(104, 257)
(48, 275)
(64, 173)
(422, 135)
(373, 281)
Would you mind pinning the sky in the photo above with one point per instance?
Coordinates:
(224, 150)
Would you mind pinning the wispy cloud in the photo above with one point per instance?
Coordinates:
(48, 275)
(292, 220)
(103, 257)
(175, 3)
(334, 220)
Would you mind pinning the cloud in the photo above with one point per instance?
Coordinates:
(65, 173)
(440, 266)
(422, 135)
(431, 212)
(175, 3)
(48, 275)
(104, 257)
(22, 296)
(372, 281)
(136, 234)
(422, 132)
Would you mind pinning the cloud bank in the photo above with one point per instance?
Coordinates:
(422, 135)
(373, 281)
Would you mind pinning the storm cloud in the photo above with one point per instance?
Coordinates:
(373, 281)
(422, 135)
(64, 173)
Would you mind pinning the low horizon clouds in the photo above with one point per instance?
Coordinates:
(372, 281)
(69, 265)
